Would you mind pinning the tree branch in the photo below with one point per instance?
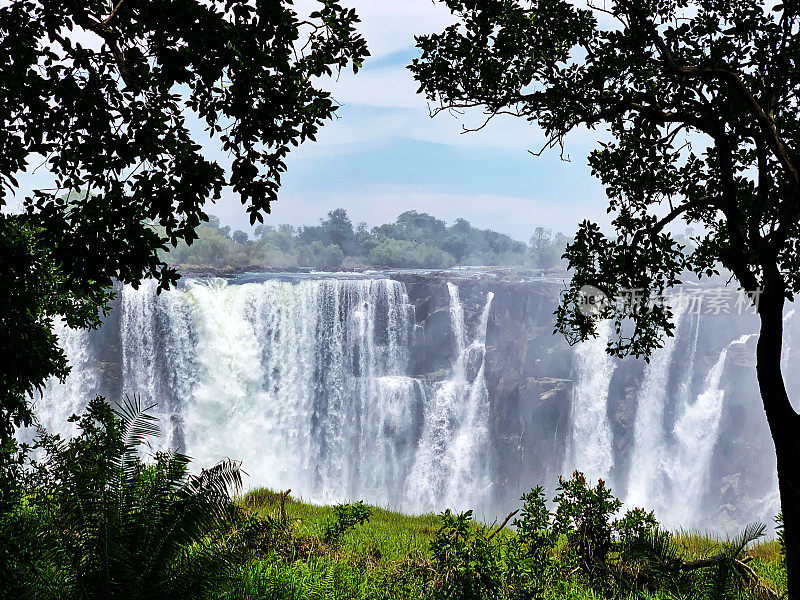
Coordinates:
(765, 121)
(110, 37)
(503, 524)
(114, 12)
(657, 227)
(739, 565)
(758, 583)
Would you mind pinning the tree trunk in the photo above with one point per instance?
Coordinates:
(784, 424)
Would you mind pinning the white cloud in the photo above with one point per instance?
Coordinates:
(390, 87)
(390, 25)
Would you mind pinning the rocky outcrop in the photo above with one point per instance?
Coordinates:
(529, 373)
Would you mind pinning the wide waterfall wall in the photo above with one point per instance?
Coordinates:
(306, 383)
(429, 391)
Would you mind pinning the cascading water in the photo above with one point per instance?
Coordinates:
(451, 467)
(305, 384)
(158, 360)
(696, 431)
(645, 483)
(338, 389)
(61, 400)
(589, 442)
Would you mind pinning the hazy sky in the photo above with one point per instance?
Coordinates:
(384, 154)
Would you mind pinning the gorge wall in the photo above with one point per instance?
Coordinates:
(423, 391)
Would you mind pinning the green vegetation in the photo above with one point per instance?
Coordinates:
(584, 550)
(414, 240)
(94, 519)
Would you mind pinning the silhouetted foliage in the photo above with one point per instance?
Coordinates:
(109, 116)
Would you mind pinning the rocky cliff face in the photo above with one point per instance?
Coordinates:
(684, 434)
(527, 369)
(530, 374)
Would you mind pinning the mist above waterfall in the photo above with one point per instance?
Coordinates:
(425, 391)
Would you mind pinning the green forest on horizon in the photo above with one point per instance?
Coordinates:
(413, 240)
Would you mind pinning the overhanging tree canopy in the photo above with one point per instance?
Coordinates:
(701, 102)
(100, 92)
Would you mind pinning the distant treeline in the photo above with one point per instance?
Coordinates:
(414, 240)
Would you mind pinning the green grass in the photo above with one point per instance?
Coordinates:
(388, 558)
(387, 537)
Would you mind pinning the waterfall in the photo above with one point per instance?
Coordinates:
(305, 383)
(589, 443)
(61, 400)
(451, 466)
(310, 382)
(696, 432)
(138, 337)
(157, 344)
(649, 440)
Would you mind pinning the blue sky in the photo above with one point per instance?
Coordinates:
(384, 154)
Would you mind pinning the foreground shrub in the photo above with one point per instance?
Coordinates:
(534, 532)
(20, 521)
(466, 562)
(345, 518)
(584, 517)
(120, 527)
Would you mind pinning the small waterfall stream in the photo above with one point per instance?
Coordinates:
(451, 467)
(647, 460)
(589, 441)
(696, 431)
(62, 400)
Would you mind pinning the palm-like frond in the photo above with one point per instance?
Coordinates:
(751, 533)
(725, 581)
(201, 504)
(130, 528)
(138, 425)
(656, 550)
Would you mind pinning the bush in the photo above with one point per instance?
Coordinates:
(21, 522)
(536, 538)
(466, 563)
(119, 527)
(345, 518)
(584, 517)
(636, 524)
